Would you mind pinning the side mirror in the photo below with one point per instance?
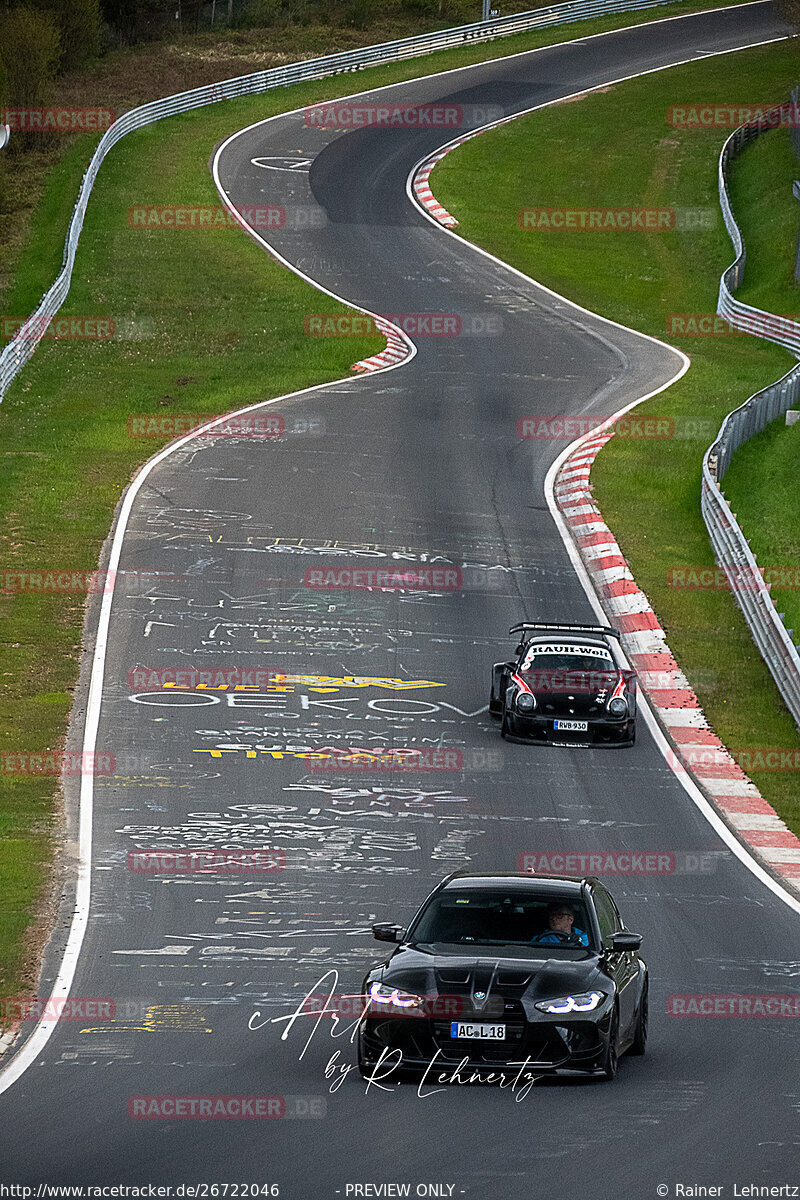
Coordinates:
(385, 931)
(621, 942)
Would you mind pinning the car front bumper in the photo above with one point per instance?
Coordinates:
(537, 728)
(546, 1046)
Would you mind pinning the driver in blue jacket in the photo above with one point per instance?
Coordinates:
(561, 930)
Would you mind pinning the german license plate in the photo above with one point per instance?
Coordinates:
(572, 726)
(481, 1031)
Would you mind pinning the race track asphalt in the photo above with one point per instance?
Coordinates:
(414, 467)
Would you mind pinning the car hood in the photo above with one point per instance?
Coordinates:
(429, 971)
(565, 693)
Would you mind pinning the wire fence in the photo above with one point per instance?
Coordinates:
(731, 547)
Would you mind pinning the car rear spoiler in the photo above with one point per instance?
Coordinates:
(565, 628)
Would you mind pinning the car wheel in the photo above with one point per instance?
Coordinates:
(495, 706)
(640, 1033)
(505, 728)
(611, 1058)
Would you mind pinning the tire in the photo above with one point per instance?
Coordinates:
(495, 707)
(611, 1058)
(364, 1069)
(639, 1043)
(505, 729)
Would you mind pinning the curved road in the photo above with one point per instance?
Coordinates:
(418, 466)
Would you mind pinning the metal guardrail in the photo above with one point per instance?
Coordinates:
(731, 547)
(18, 351)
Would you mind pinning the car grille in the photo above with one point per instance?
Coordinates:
(564, 709)
(505, 1010)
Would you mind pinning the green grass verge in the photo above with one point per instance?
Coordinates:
(759, 184)
(762, 482)
(616, 149)
(209, 323)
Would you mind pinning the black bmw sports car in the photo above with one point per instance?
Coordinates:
(568, 684)
(504, 971)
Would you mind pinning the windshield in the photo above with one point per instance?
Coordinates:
(504, 919)
(565, 657)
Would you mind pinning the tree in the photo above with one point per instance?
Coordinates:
(30, 50)
(142, 20)
(78, 24)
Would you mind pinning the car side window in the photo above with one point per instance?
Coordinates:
(606, 914)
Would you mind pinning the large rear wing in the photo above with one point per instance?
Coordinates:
(551, 628)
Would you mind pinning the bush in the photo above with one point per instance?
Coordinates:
(258, 14)
(360, 14)
(78, 23)
(421, 8)
(30, 52)
(141, 20)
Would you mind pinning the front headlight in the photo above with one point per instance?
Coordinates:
(582, 1002)
(618, 706)
(390, 997)
(525, 701)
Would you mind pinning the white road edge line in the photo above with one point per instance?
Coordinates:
(33, 1046)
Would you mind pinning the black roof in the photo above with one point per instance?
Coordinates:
(522, 881)
(569, 639)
